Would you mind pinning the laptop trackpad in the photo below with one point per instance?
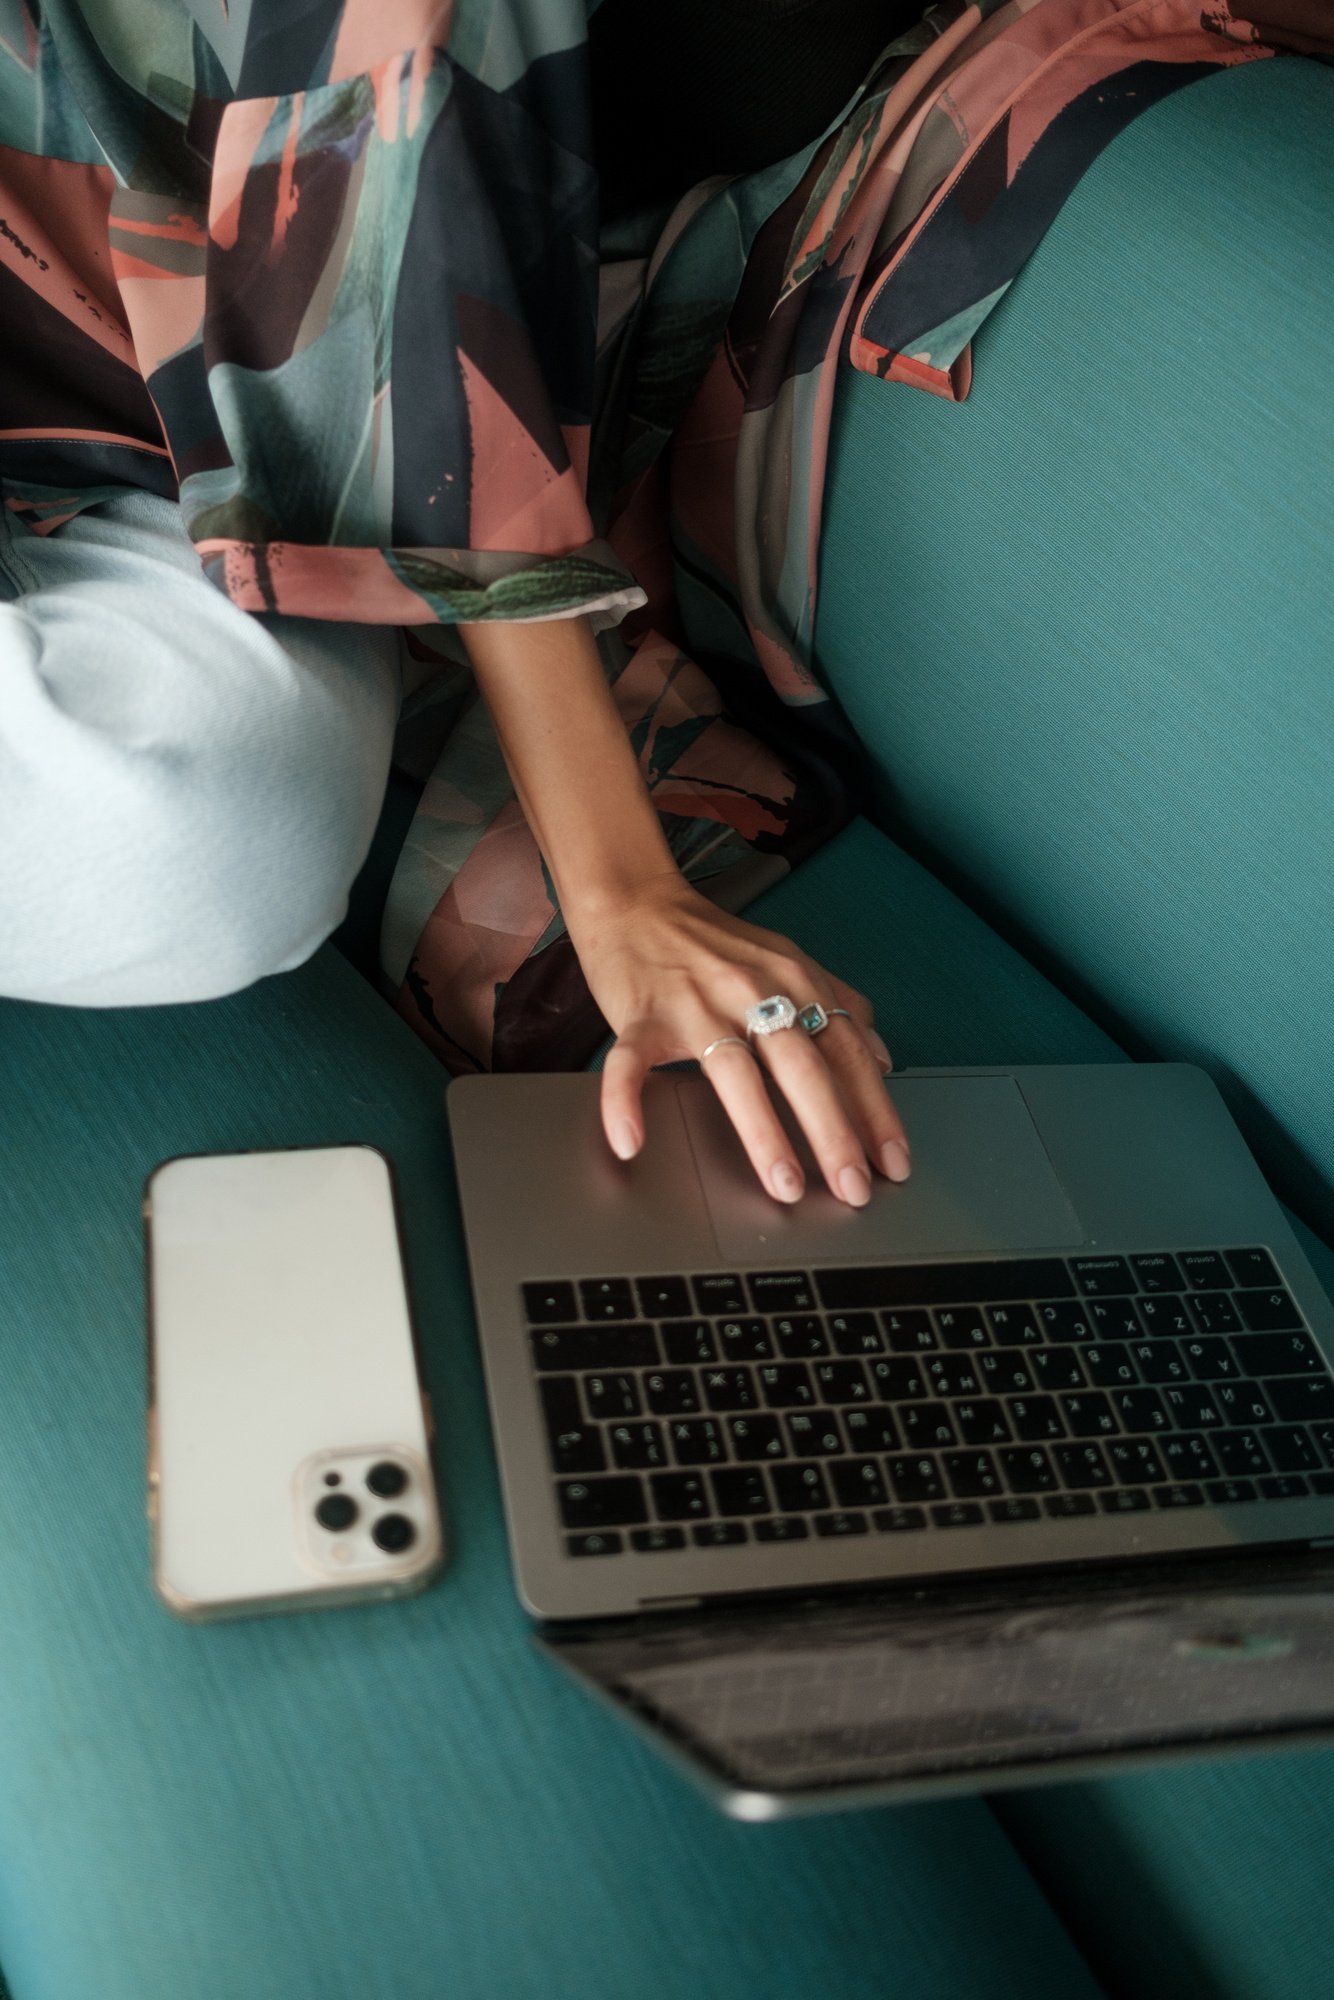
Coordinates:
(981, 1182)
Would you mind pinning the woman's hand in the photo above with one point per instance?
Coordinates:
(671, 974)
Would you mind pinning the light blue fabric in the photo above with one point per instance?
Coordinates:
(186, 791)
(1083, 619)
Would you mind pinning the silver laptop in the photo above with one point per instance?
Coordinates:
(1026, 1466)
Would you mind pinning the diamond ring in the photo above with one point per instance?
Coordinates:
(767, 1017)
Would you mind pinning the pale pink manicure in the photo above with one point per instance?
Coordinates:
(786, 1181)
(879, 1051)
(624, 1139)
(894, 1159)
(854, 1186)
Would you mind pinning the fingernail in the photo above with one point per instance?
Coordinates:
(624, 1139)
(854, 1186)
(879, 1051)
(894, 1159)
(786, 1182)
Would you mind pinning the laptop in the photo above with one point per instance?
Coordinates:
(1024, 1470)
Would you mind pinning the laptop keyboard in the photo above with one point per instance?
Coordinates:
(773, 1406)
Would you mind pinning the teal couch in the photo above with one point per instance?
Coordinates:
(1081, 623)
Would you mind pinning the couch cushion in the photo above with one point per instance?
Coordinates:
(406, 1802)
(1083, 618)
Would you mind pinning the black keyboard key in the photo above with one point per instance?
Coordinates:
(801, 1338)
(781, 1291)
(1135, 1461)
(958, 1514)
(575, 1445)
(655, 1541)
(962, 1327)
(944, 1284)
(1278, 1354)
(915, 1479)
(1114, 1319)
(1243, 1404)
(782, 1528)
(1292, 1450)
(1211, 1360)
(611, 1396)
(787, 1385)
(718, 1294)
(744, 1340)
(1165, 1315)
(855, 1333)
(756, 1437)
(1081, 1465)
(1189, 1457)
(593, 1544)
(1029, 1471)
(1160, 1361)
(1323, 1434)
(1205, 1270)
(1268, 1312)
(673, 1392)
(1066, 1321)
(1110, 1365)
(1004, 1373)
(814, 1434)
(1283, 1486)
(607, 1298)
(698, 1442)
(799, 1488)
(557, 1350)
(1089, 1415)
(857, 1482)
(874, 1430)
(982, 1422)
(1014, 1326)
(1240, 1453)
(898, 1520)
(1252, 1267)
(729, 1389)
(548, 1305)
(1178, 1496)
(1058, 1368)
(638, 1447)
(950, 1375)
(909, 1332)
(689, 1341)
(1301, 1399)
(972, 1474)
(718, 1534)
(741, 1490)
(1035, 1419)
(1012, 1510)
(1193, 1408)
(832, 1525)
(1213, 1312)
(842, 1382)
(663, 1298)
(1141, 1410)
(1124, 1500)
(926, 1426)
(898, 1381)
(680, 1496)
(1067, 1506)
(1157, 1272)
(1230, 1492)
(1097, 1276)
(601, 1503)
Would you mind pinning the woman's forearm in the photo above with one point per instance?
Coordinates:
(573, 767)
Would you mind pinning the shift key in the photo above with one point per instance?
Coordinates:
(602, 1503)
(1278, 1354)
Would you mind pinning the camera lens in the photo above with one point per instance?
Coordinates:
(393, 1533)
(336, 1512)
(386, 1479)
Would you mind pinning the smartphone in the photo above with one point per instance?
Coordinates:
(289, 1431)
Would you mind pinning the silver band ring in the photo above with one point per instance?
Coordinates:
(831, 1011)
(721, 1041)
(769, 1017)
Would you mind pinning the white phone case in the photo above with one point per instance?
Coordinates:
(284, 1389)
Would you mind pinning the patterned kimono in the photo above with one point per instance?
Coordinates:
(329, 272)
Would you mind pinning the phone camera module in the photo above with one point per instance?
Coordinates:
(393, 1533)
(336, 1512)
(386, 1480)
